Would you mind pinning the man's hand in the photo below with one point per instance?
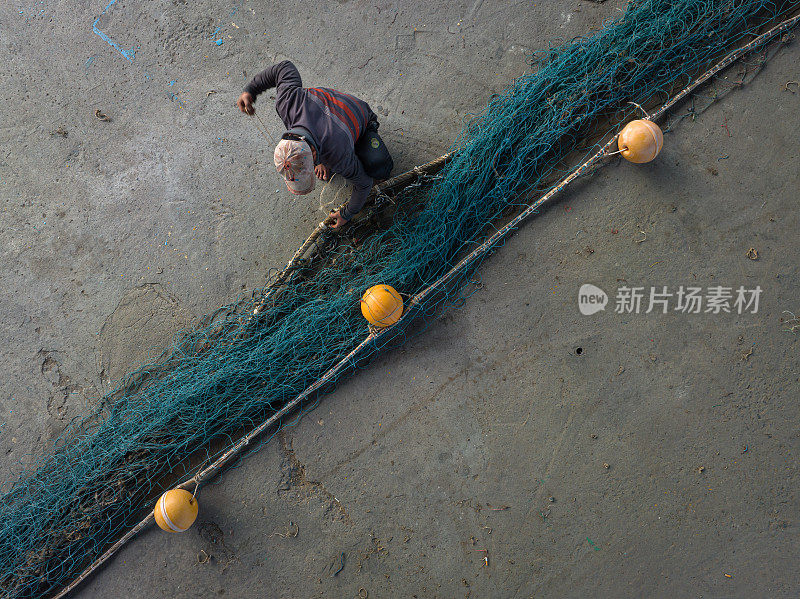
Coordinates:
(245, 103)
(321, 171)
(337, 220)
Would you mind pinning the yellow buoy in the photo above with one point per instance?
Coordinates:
(381, 305)
(640, 141)
(176, 510)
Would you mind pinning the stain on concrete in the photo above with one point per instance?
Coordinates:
(215, 549)
(65, 392)
(295, 486)
(142, 325)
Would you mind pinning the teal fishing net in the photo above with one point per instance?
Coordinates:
(236, 369)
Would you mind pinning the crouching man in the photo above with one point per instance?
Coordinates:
(327, 132)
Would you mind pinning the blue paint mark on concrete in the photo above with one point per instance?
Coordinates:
(216, 31)
(88, 63)
(176, 98)
(171, 83)
(218, 42)
(31, 14)
(129, 54)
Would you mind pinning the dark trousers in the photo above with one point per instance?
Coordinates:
(372, 153)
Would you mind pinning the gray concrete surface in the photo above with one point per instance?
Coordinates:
(666, 441)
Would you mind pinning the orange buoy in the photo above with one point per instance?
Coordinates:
(176, 510)
(381, 305)
(640, 141)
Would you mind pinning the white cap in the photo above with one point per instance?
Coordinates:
(295, 163)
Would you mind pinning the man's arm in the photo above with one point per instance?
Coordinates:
(283, 75)
(280, 75)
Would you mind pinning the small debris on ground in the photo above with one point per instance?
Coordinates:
(485, 556)
(341, 564)
(291, 532)
(793, 323)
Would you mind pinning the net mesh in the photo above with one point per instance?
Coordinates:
(237, 368)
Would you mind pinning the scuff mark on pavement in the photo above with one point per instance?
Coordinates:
(296, 486)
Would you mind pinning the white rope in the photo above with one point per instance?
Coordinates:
(163, 505)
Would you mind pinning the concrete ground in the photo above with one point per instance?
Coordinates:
(516, 448)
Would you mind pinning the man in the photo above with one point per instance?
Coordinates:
(327, 132)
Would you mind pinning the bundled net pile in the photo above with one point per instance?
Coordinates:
(237, 369)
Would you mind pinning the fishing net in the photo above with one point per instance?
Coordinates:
(248, 359)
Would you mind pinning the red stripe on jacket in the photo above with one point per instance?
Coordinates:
(358, 103)
(350, 120)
